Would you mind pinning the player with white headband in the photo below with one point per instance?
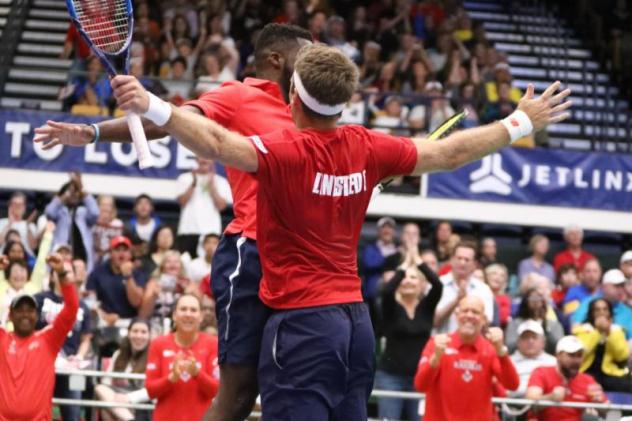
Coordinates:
(315, 183)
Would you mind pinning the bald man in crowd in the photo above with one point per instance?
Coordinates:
(456, 370)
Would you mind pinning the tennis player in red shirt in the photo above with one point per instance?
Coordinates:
(27, 357)
(258, 105)
(564, 383)
(456, 370)
(182, 372)
(315, 183)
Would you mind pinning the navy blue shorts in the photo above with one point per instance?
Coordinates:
(241, 316)
(317, 364)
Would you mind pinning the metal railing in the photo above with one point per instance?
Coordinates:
(375, 393)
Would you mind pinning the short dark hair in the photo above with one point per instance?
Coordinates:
(467, 244)
(277, 36)
(209, 236)
(590, 317)
(141, 197)
(12, 263)
(180, 60)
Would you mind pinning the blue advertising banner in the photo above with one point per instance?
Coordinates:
(542, 177)
(18, 151)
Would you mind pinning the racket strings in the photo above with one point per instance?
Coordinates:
(105, 22)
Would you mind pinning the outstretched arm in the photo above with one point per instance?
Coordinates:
(470, 145)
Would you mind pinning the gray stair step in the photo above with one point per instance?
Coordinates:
(3, 22)
(529, 29)
(600, 117)
(38, 75)
(557, 63)
(589, 130)
(42, 62)
(47, 105)
(569, 143)
(532, 39)
(5, 2)
(577, 88)
(592, 102)
(31, 89)
(4, 11)
(564, 75)
(56, 37)
(510, 47)
(47, 24)
(55, 50)
(517, 18)
(60, 14)
(50, 4)
(474, 5)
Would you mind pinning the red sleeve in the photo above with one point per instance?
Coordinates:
(156, 382)
(279, 156)
(66, 318)
(506, 373)
(538, 379)
(392, 155)
(220, 104)
(426, 375)
(209, 385)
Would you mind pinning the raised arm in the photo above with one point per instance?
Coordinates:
(202, 136)
(470, 145)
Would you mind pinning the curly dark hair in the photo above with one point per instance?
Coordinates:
(590, 318)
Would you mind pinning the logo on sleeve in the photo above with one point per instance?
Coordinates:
(258, 143)
(339, 185)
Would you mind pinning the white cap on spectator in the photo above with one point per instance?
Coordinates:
(614, 277)
(569, 344)
(433, 84)
(502, 66)
(626, 257)
(530, 325)
(386, 220)
(373, 44)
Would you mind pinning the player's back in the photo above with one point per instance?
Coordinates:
(253, 107)
(314, 190)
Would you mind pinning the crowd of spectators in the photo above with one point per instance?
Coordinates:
(418, 60)
(414, 286)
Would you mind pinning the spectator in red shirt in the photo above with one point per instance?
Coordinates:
(182, 372)
(564, 383)
(574, 253)
(27, 357)
(457, 370)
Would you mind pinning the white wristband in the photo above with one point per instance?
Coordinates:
(518, 125)
(159, 111)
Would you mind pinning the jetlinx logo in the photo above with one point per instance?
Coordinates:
(491, 177)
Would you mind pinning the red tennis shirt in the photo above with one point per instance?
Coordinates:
(189, 397)
(547, 378)
(314, 189)
(27, 365)
(460, 387)
(249, 108)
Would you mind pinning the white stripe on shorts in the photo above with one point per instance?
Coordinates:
(232, 276)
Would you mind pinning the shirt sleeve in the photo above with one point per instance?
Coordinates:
(277, 154)
(392, 155)
(426, 375)
(156, 382)
(220, 104)
(537, 379)
(209, 384)
(183, 182)
(505, 372)
(65, 320)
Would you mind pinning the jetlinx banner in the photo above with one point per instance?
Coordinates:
(542, 177)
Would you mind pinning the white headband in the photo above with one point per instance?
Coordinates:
(311, 102)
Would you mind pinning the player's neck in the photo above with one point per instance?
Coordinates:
(185, 339)
(304, 122)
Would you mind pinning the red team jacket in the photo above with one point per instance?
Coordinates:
(189, 397)
(461, 386)
(27, 365)
(253, 107)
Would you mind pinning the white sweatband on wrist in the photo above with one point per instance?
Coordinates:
(159, 111)
(518, 124)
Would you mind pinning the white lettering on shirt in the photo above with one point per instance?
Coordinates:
(339, 185)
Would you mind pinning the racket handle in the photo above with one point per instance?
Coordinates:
(145, 160)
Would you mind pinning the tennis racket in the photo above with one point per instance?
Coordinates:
(443, 130)
(106, 25)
